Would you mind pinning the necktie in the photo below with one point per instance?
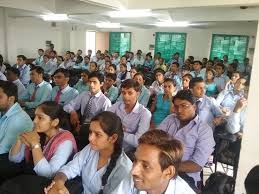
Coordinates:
(58, 95)
(34, 93)
(87, 112)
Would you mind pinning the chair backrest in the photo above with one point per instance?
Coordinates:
(219, 183)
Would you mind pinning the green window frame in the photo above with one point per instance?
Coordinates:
(169, 43)
(119, 42)
(235, 46)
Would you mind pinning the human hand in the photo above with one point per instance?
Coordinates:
(241, 103)
(30, 138)
(56, 188)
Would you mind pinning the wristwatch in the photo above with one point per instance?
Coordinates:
(35, 146)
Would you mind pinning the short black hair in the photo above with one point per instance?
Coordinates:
(85, 71)
(10, 89)
(113, 66)
(14, 71)
(159, 70)
(140, 74)
(194, 81)
(131, 83)
(176, 63)
(22, 56)
(98, 75)
(171, 81)
(188, 75)
(65, 72)
(185, 95)
(199, 62)
(93, 62)
(38, 69)
(41, 50)
(112, 76)
(61, 57)
(186, 67)
(220, 65)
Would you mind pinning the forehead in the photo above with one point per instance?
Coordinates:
(59, 74)
(179, 101)
(95, 126)
(168, 83)
(2, 91)
(138, 77)
(147, 153)
(128, 90)
(199, 84)
(94, 79)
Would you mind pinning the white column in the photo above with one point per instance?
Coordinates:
(249, 156)
(3, 33)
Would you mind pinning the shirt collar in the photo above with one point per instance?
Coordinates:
(135, 109)
(11, 110)
(98, 94)
(40, 84)
(65, 89)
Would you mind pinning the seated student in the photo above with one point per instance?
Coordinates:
(161, 65)
(78, 63)
(101, 62)
(48, 147)
(227, 99)
(197, 70)
(220, 78)
(89, 103)
(210, 85)
(135, 117)
(157, 87)
(60, 62)
(24, 70)
(112, 69)
(230, 85)
(37, 92)
(13, 75)
(252, 181)
(230, 69)
(166, 154)
(93, 67)
(185, 81)
(3, 66)
(148, 63)
(174, 74)
(53, 59)
(196, 135)
(123, 74)
(185, 70)
(13, 120)
(82, 85)
(68, 62)
(49, 68)
(39, 60)
(123, 60)
(138, 60)
(86, 63)
(102, 164)
(176, 58)
(62, 93)
(133, 71)
(109, 89)
(106, 68)
(162, 106)
(116, 58)
(144, 92)
(206, 107)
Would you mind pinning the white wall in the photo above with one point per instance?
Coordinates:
(78, 40)
(2, 33)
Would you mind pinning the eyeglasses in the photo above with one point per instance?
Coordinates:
(182, 106)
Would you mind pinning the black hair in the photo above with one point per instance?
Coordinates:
(185, 95)
(191, 58)
(80, 58)
(252, 181)
(10, 89)
(55, 52)
(46, 56)
(22, 56)
(171, 81)
(72, 53)
(14, 71)
(38, 69)
(194, 81)
(176, 63)
(61, 57)
(199, 62)
(86, 57)
(41, 50)
(113, 66)
(85, 71)
(186, 67)
(159, 70)
(111, 124)
(65, 72)
(131, 83)
(220, 65)
(188, 75)
(93, 62)
(98, 75)
(112, 76)
(140, 74)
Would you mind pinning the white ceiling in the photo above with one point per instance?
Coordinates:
(205, 14)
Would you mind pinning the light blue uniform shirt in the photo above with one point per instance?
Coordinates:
(235, 122)
(175, 186)
(228, 99)
(221, 81)
(144, 96)
(14, 122)
(112, 93)
(85, 66)
(85, 164)
(81, 87)
(43, 93)
(208, 109)
(2, 76)
(20, 87)
(201, 74)
(24, 74)
(176, 77)
(135, 123)
(48, 168)
(67, 95)
(196, 136)
(38, 61)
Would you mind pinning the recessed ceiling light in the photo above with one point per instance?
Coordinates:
(55, 17)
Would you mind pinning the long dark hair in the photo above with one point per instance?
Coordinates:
(111, 124)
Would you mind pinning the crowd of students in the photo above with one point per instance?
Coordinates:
(95, 114)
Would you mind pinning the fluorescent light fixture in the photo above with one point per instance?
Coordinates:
(55, 17)
(172, 24)
(108, 25)
(133, 13)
